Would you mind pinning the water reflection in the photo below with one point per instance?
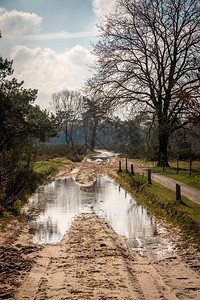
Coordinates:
(63, 199)
(122, 212)
(59, 202)
(103, 156)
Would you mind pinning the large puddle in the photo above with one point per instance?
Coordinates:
(102, 156)
(60, 201)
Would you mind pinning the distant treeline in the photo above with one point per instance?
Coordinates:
(133, 138)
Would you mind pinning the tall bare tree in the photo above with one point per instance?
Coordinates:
(67, 106)
(93, 115)
(146, 55)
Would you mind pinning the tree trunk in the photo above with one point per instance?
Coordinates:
(92, 142)
(66, 138)
(85, 131)
(162, 154)
(65, 129)
(86, 138)
(71, 142)
(70, 133)
(93, 138)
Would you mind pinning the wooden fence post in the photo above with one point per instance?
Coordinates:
(132, 172)
(178, 193)
(149, 176)
(126, 164)
(120, 166)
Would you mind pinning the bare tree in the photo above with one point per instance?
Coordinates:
(146, 55)
(92, 116)
(67, 106)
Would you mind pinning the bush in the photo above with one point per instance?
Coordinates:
(187, 154)
(45, 151)
(138, 182)
(16, 173)
(134, 152)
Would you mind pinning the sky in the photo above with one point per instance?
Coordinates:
(50, 42)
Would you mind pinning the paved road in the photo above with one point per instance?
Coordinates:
(191, 193)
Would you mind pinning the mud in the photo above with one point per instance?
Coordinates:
(15, 262)
(91, 261)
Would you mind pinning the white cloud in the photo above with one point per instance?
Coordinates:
(50, 72)
(15, 23)
(2, 10)
(103, 7)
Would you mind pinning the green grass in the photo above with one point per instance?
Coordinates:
(184, 171)
(47, 168)
(161, 201)
(183, 174)
(185, 164)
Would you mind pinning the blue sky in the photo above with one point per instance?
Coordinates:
(50, 41)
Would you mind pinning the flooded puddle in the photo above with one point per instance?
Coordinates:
(60, 201)
(102, 156)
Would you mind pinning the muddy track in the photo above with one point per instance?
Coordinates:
(14, 264)
(92, 261)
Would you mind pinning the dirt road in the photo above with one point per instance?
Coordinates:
(91, 261)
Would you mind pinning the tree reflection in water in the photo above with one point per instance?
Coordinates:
(60, 201)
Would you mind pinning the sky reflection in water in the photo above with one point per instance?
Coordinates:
(63, 199)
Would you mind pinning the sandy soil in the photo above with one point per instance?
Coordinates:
(91, 261)
(85, 172)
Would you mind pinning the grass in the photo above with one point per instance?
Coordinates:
(171, 172)
(48, 168)
(185, 164)
(142, 162)
(161, 202)
(183, 174)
